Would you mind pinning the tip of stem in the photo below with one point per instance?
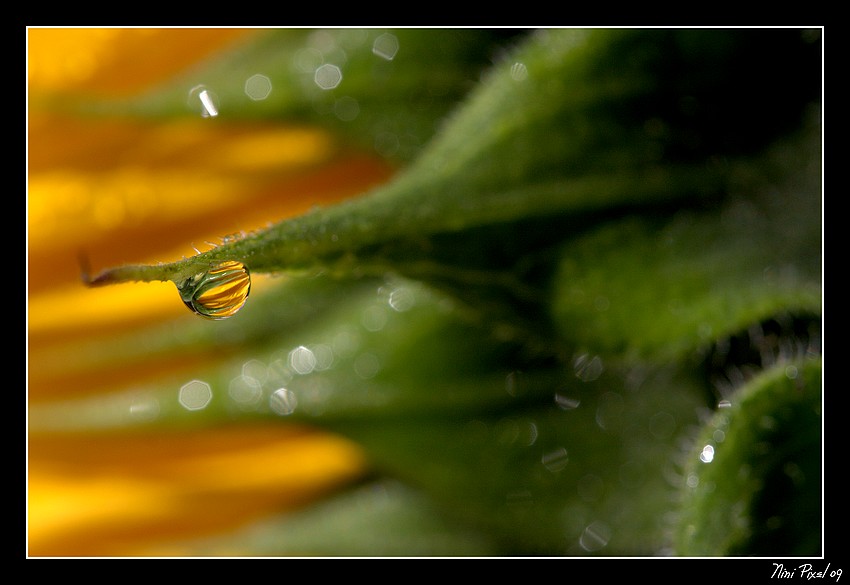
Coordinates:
(85, 272)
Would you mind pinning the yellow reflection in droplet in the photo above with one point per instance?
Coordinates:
(219, 292)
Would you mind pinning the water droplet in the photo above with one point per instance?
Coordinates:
(588, 369)
(345, 343)
(255, 369)
(386, 46)
(402, 299)
(302, 359)
(328, 76)
(258, 87)
(195, 395)
(367, 365)
(566, 402)
(662, 425)
(245, 391)
(280, 372)
(373, 318)
(308, 60)
(555, 460)
(610, 412)
(324, 355)
(283, 401)
(217, 293)
(519, 72)
(595, 537)
(203, 101)
(528, 433)
(707, 454)
(512, 383)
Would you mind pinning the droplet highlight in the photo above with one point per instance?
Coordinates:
(328, 76)
(217, 293)
(556, 460)
(195, 395)
(386, 46)
(283, 402)
(258, 87)
(204, 101)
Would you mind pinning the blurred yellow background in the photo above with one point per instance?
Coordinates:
(125, 191)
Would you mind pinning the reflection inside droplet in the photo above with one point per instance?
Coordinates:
(707, 454)
(217, 293)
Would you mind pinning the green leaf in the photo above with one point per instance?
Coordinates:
(604, 208)
(753, 482)
(664, 286)
(573, 142)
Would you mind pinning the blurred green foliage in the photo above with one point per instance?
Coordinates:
(528, 328)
